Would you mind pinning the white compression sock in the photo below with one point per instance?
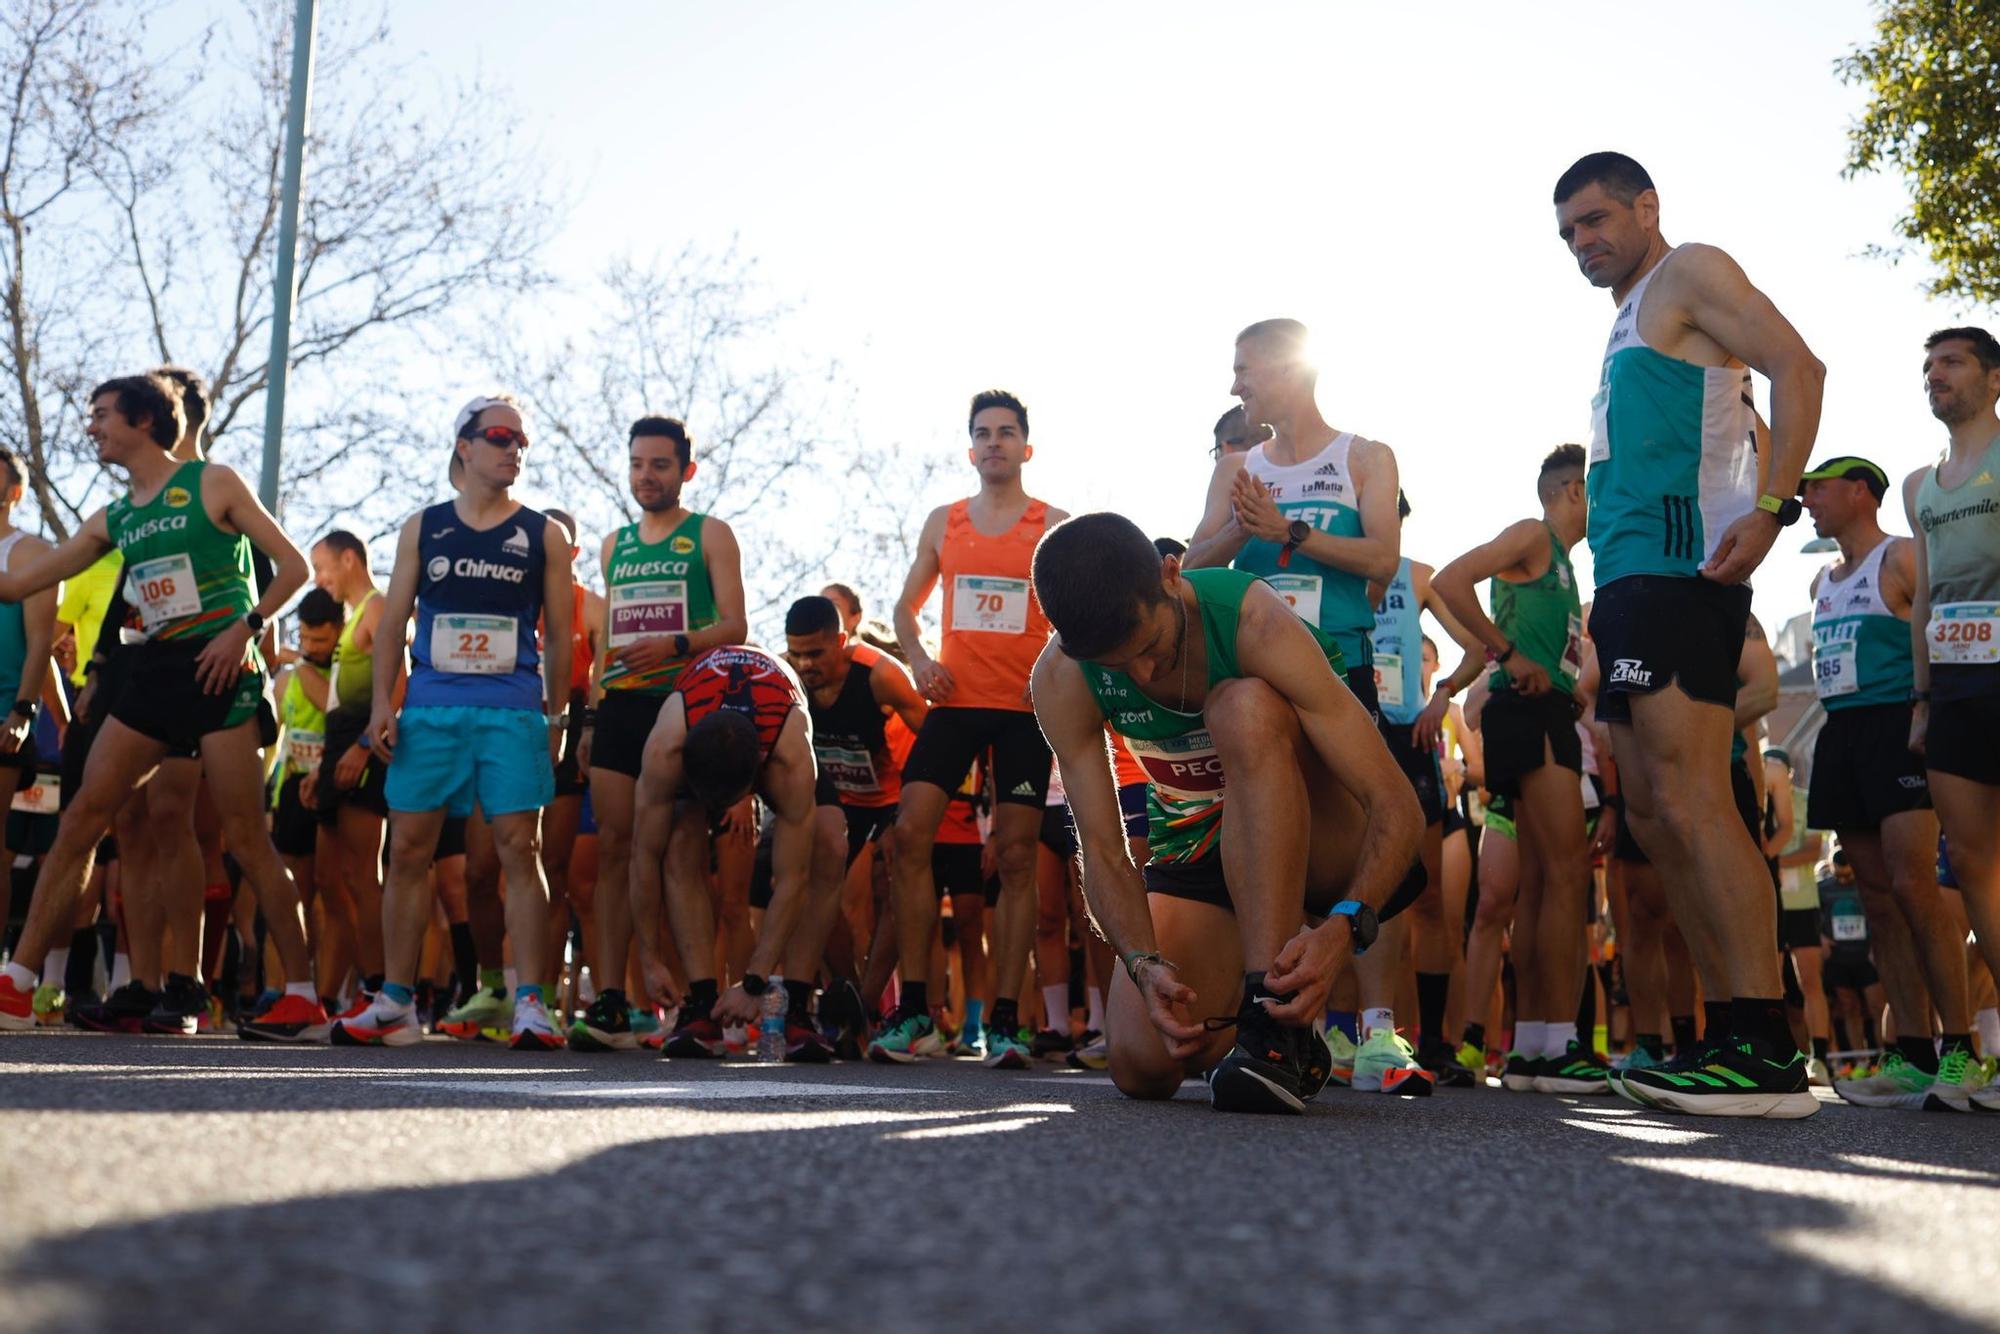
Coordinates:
(1055, 999)
(1557, 1037)
(121, 971)
(304, 989)
(56, 965)
(1094, 1009)
(1528, 1037)
(1377, 1018)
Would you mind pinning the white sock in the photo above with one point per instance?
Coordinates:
(513, 979)
(1987, 1022)
(56, 965)
(22, 978)
(1557, 1037)
(1529, 1035)
(303, 990)
(1055, 999)
(121, 971)
(1374, 1019)
(1094, 1009)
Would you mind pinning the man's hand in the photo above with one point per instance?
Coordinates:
(1167, 999)
(86, 698)
(1606, 836)
(14, 733)
(1255, 511)
(1920, 725)
(583, 748)
(1529, 677)
(738, 1006)
(934, 683)
(558, 730)
(1306, 966)
(1429, 726)
(1742, 548)
(382, 733)
(643, 655)
(661, 984)
(353, 762)
(309, 790)
(221, 662)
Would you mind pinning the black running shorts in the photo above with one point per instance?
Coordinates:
(1517, 731)
(1863, 769)
(1656, 630)
(952, 739)
(625, 719)
(344, 729)
(955, 869)
(1419, 766)
(294, 828)
(1202, 881)
(1963, 738)
(160, 699)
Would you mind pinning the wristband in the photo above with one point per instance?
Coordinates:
(1499, 659)
(24, 708)
(1133, 958)
(755, 984)
(1920, 697)
(366, 743)
(90, 667)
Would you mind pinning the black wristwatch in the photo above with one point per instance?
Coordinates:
(24, 708)
(1361, 920)
(255, 620)
(1785, 509)
(681, 651)
(755, 984)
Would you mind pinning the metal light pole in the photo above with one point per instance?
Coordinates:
(285, 285)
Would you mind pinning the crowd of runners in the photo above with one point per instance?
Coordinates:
(1208, 806)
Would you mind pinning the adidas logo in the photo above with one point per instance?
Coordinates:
(1327, 470)
(1984, 479)
(1862, 582)
(1023, 789)
(517, 545)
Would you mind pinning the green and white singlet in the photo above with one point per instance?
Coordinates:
(1321, 492)
(185, 577)
(653, 589)
(1861, 649)
(1672, 462)
(1544, 619)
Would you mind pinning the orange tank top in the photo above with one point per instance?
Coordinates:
(1128, 768)
(994, 628)
(581, 660)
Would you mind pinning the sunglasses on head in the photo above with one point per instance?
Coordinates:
(500, 437)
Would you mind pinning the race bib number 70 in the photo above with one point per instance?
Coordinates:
(989, 603)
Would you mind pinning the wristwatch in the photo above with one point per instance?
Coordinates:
(255, 620)
(1785, 509)
(24, 708)
(755, 984)
(1361, 920)
(1296, 533)
(680, 646)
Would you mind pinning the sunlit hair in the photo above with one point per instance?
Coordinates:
(812, 616)
(1622, 178)
(148, 398)
(1289, 340)
(1565, 464)
(845, 597)
(341, 540)
(997, 398)
(673, 428)
(1985, 348)
(1095, 575)
(193, 389)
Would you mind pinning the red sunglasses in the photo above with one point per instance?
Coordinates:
(500, 437)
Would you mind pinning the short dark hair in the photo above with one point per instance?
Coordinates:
(1985, 348)
(1169, 546)
(1231, 421)
(673, 428)
(1622, 177)
(194, 396)
(847, 592)
(811, 616)
(338, 540)
(1562, 459)
(319, 607)
(1094, 575)
(1402, 504)
(566, 519)
(149, 397)
(12, 462)
(997, 398)
(720, 758)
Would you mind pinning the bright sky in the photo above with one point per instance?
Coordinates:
(1084, 203)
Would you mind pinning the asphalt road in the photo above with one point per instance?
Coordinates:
(212, 1184)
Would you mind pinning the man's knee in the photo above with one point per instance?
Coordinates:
(1245, 710)
(1014, 859)
(1153, 1077)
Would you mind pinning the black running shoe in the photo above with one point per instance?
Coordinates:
(1050, 1045)
(1316, 1063)
(805, 1044)
(1265, 1070)
(1441, 1059)
(182, 1008)
(845, 1019)
(1580, 1070)
(123, 1011)
(1520, 1072)
(605, 1026)
(1740, 1077)
(696, 1037)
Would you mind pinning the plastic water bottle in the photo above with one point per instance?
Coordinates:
(771, 1023)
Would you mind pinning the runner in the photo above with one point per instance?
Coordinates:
(1312, 509)
(1235, 435)
(476, 571)
(673, 587)
(1215, 683)
(1955, 629)
(563, 817)
(185, 529)
(981, 549)
(27, 632)
(1676, 527)
(1534, 758)
(734, 725)
(305, 692)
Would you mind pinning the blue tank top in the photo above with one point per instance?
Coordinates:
(13, 631)
(1399, 649)
(479, 596)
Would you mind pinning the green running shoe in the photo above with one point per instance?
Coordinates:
(489, 1008)
(1473, 1059)
(48, 1004)
(1518, 1075)
(1958, 1078)
(1578, 1071)
(1006, 1051)
(1386, 1063)
(1736, 1078)
(1340, 1051)
(1895, 1083)
(605, 1026)
(898, 1042)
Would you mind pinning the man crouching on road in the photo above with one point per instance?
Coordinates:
(1219, 689)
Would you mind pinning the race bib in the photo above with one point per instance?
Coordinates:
(1965, 633)
(473, 645)
(648, 611)
(1300, 592)
(165, 590)
(42, 797)
(1389, 680)
(1572, 658)
(1833, 669)
(1600, 424)
(1849, 929)
(989, 604)
(1184, 766)
(303, 751)
(850, 769)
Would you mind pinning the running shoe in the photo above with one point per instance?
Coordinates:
(805, 1044)
(382, 1024)
(1735, 1078)
(1895, 1083)
(1959, 1076)
(1520, 1072)
(1093, 1053)
(1006, 1051)
(1818, 1075)
(695, 1037)
(897, 1042)
(846, 1019)
(1638, 1059)
(1579, 1071)
(605, 1026)
(647, 1030)
(1386, 1063)
(182, 1010)
(1340, 1051)
(534, 1029)
(969, 1041)
(1442, 1062)
(290, 1019)
(1315, 1063)
(1264, 1071)
(120, 1012)
(17, 1007)
(1988, 1097)
(1472, 1060)
(487, 1009)
(49, 1004)
(1050, 1045)
(932, 1045)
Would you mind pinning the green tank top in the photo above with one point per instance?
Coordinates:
(354, 668)
(305, 729)
(1184, 779)
(13, 629)
(185, 577)
(1961, 527)
(1544, 619)
(655, 588)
